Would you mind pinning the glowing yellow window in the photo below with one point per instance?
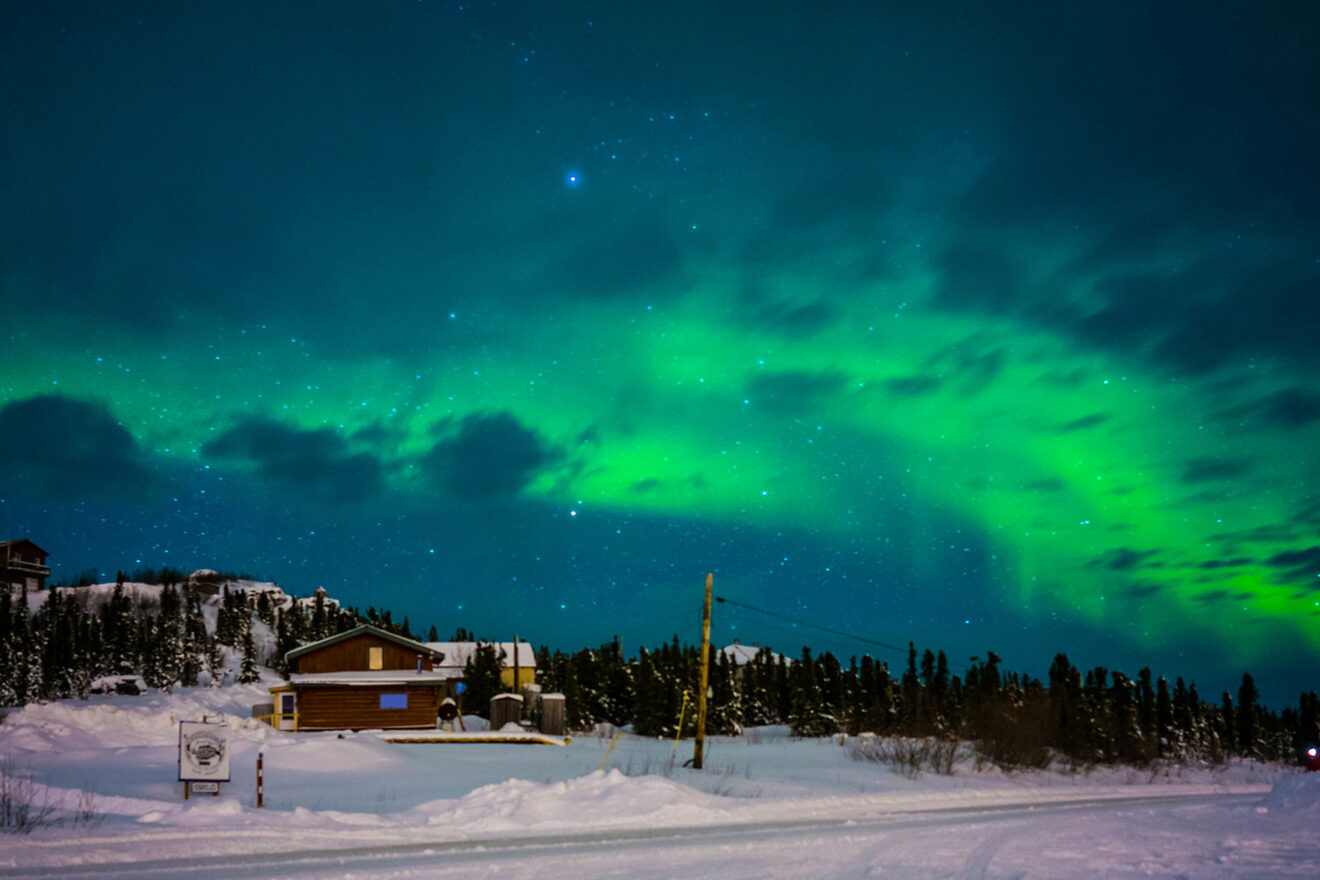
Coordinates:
(376, 657)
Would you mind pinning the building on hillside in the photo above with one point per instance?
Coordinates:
(23, 563)
(205, 582)
(362, 679)
(457, 655)
(308, 603)
(740, 655)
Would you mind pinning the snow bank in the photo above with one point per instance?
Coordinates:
(117, 721)
(1295, 793)
(600, 799)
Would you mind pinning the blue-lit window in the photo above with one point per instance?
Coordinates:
(394, 701)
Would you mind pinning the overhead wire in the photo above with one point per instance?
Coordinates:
(800, 622)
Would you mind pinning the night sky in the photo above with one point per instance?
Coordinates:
(991, 327)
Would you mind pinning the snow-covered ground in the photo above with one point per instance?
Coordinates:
(766, 806)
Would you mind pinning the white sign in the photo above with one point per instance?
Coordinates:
(203, 752)
(204, 787)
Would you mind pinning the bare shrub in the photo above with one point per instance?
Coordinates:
(84, 813)
(24, 805)
(908, 756)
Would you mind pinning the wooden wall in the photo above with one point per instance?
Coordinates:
(358, 708)
(351, 654)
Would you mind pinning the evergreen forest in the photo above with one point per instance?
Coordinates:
(1079, 717)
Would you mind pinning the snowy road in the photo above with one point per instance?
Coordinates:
(1206, 836)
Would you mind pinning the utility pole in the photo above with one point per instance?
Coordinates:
(515, 689)
(705, 676)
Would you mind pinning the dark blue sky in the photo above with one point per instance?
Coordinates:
(988, 328)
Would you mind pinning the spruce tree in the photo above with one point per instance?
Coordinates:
(807, 716)
(647, 718)
(1166, 737)
(1247, 711)
(725, 711)
(214, 661)
(248, 672)
(481, 675)
(1227, 727)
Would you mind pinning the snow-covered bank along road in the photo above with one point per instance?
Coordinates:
(1203, 836)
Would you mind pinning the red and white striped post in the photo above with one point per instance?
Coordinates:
(260, 798)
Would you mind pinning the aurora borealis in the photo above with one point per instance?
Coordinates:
(991, 328)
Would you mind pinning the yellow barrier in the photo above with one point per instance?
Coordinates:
(607, 754)
(681, 709)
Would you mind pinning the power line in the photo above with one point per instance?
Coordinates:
(799, 622)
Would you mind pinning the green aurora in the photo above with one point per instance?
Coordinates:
(997, 355)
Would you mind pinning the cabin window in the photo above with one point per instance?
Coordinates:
(394, 701)
(376, 657)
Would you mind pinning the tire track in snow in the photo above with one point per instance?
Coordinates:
(451, 854)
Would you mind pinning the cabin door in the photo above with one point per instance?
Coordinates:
(288, 709)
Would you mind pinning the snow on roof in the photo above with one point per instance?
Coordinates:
(457, 654)
(362, 629)
(362, 677)
(741, 654)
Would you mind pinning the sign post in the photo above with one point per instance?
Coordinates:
(203, 756)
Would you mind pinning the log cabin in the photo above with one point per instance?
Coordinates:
(362, 679)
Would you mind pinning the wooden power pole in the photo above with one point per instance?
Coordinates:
(705, 676)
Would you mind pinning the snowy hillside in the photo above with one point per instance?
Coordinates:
(147, 597)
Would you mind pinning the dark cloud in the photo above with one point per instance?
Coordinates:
(1124, 559)
(1085, 423)
(1203, 470)
(1141, 591)
(1298, 565)
(1205, 314)
(316, 464)
(823, 213)
(1269, 534)
(1210, 114)
(69, 448)
(972, 363)
(1181, 167)
(1236, 562)
(793, 393)
(622, 261)
(1214, 596)
(793, 320)
(1292, 408)
(489, 456)
(1051, 484)
(1259, 314)
(912, 386)
(983, 279)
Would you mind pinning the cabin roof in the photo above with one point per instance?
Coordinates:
(365, 629)
(21, 541)
(365, 678)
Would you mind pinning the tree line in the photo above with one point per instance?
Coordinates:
(62, 648)
(1099, 716)
(1086, 717)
